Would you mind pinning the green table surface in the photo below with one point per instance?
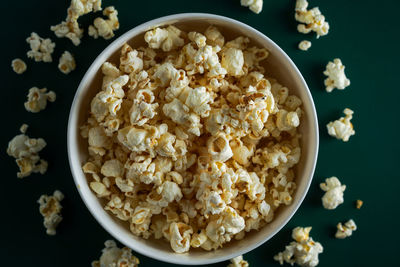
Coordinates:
(364, 34)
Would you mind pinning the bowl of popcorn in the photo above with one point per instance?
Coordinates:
(192, 138)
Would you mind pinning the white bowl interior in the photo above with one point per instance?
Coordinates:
(278, 65)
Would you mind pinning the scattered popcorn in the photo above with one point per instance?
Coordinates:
(41, 49)
(310, 20)
(334, 193)
(359, 203)
(66, 63)
(238, 262)
(304, 45)
(254, 5)
(174, 139)
(105, 28)
(50, 208)
(303, 251)
(18, 65)
(345, 230)
(25, 150)
(70, 27)
(336, 77)
(342, 128)
(113, 256)
(37, 99)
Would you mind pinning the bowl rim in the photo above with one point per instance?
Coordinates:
(71, 142)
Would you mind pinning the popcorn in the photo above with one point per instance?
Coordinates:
(336, 77)
(254, 5)
(303, 251)
(18, 66)
(70, 27)
(310, 20)
(342, 128)
(37, 99)
(41, 49)
(174, 139)
(334, 193)
(345, 230)
(359, 203)
(105, 28)
(66, 63)
(114, 256)
(238, 262)
(50, 208)
(25, 150)
(304, 45)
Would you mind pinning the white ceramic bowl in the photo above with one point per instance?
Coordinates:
(278, 66)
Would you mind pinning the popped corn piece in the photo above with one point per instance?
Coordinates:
(112, 256)
(37, 99)
(180, 237)
(342, 128)
(18, 66)
(310, 20)
(232, 61)
(304, 251)
(50, 208)
(167, 39)
(41, 49)
(70, 27)
(238, 262)
(105, 28)
(214, 37)
(23, 128)
(218, 148)
(336, 76)
(254, 5)
(345, 230)
(359, 203)
(304, 45)
(25, 150)
(66, 63)
(334, 193)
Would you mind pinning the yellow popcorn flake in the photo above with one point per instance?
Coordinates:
(115, 256)
(37, 99)
(359, 203)
(41, 49)
(105, 28)
(50, 208)
(238, 262)
(66, 63)
(18, 66)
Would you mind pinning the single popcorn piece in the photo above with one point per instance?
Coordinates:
(254, 5)
(304, 45)
(345, 230)
(50, 208)
(359, 203)
(26, 152)
(70, 27)
(37, 99)
(189, 141)
(41, 49)
(105, 28)
(238, 262)
(310, 20)
(66, 63)
(342, 128)
(113, 256)
(18, 66)
(336, 77)
(334, 193)
(303, 251)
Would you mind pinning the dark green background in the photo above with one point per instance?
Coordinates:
(364, 34)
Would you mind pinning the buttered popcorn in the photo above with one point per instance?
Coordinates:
(113, 256)
(18, 66)
(26, 150)
(174, 137)
(105, 28)
(238, 262)
(304, 45)
(333, 196)
(70, 27)
(66, 63)
(41, 49)
(345, 230)
(310, 20)
(50, 208)
(303, 251)
(254, 5)
(336, 77)
(37, 99)
(342, 128)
